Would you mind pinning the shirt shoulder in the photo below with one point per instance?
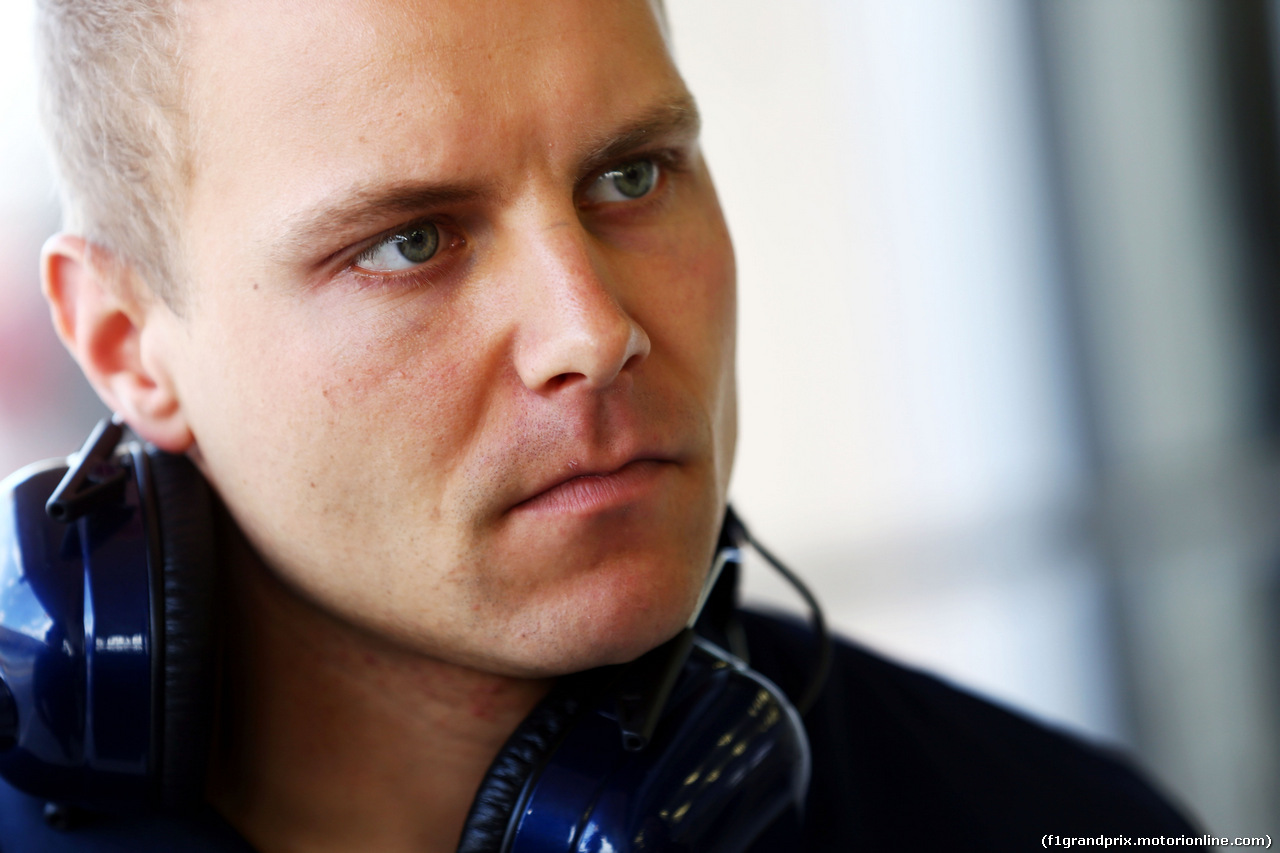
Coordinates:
(904, 760)
(24, 829)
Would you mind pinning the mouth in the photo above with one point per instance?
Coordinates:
(591, 492)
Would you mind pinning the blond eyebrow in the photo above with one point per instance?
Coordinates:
(675, 118)
(367, 209)
(363, 210)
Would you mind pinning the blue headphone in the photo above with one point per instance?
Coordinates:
(108, 647)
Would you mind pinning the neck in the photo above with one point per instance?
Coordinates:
(332, 739)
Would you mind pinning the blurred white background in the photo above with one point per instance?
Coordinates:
(1008, 351)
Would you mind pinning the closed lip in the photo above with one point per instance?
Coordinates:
(596, 489)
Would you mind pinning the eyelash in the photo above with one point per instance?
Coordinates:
(671, 162)
(451, 241)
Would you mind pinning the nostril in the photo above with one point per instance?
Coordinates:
(638, 354)
(555, 383)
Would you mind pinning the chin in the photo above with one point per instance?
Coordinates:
(609, 619)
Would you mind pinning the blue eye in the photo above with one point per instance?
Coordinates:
(626, 183)
(402, 250)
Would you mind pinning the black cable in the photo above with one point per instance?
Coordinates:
(819, 622)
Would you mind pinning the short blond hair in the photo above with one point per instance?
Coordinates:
(113, 111)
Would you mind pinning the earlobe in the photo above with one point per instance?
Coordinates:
(104, 319)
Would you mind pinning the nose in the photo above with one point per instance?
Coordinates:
(572, 328)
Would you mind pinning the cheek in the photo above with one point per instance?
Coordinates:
(713, 334)
(402, 390)
(695, 316)
(400, 382)
(721, 338)
(684, 295)
(312, 415)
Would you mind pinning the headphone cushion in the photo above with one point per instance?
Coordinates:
(530, 745)
(184, 508)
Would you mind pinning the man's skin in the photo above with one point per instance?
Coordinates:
(505, 462)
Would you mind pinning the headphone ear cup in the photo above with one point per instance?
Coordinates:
(498, 799)
(184, 513)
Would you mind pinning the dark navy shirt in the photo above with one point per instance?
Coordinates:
(901, 761)
(905, 761)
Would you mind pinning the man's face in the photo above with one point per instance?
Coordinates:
(458, 352)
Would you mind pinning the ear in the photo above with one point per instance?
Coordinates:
(108, 319)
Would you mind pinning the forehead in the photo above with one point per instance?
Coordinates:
(291, 54)
(329, 91)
